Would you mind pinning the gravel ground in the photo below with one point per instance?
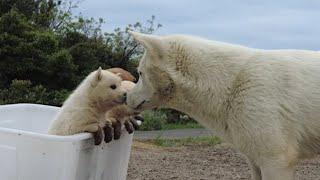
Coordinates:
(194, 162)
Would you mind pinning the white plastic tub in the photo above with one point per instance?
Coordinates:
(28, 153)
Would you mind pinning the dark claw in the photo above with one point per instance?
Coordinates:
(108, 133)
(129, 127)
(135, 124)
(139, 118)
(117, 130)
(98, 136)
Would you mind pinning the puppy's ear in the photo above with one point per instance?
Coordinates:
(99, 74)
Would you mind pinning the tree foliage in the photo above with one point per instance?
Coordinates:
(45, 50)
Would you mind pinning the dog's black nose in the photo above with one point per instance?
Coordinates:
(124, 97)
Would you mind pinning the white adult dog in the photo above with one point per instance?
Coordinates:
(264, 102)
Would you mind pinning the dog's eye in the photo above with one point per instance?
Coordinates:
(140, 73)
(113, 86)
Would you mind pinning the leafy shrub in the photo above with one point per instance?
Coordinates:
(61, 70)
(57, 97)
(22, 91)
(153, 120)
(50, 50)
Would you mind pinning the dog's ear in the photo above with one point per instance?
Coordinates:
(125, 75)
(120, 75)
(152, 43)
(99, 74)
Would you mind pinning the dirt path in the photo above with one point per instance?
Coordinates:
(149, 162)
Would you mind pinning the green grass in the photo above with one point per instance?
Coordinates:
(189, 125)
(153, 120)
(211, 141)
(157, 120)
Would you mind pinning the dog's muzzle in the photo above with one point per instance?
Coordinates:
(139, 105)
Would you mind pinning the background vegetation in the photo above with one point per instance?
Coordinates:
(45, 51)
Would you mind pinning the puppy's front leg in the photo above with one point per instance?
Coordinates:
(131, 123)
(97, 132)
(116, 129)
(108, 132)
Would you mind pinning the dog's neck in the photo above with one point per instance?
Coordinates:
(200, 103)
(204, 93)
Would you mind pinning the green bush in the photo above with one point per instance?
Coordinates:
(57, 97)
(61, 71)
(22, 91)
(45, 50)
(153, 120)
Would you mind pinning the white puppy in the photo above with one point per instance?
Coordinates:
(84, 110)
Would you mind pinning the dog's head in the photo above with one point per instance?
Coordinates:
(155, 86)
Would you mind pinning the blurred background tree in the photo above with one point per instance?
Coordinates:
(45, 50)
(42, 43)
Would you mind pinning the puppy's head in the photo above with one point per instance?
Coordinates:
(106, 88)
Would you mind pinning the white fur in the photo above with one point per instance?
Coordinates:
(121, 112)
(264, 102)
(84, 110)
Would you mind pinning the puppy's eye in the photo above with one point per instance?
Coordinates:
(140, 73)
(113, 86)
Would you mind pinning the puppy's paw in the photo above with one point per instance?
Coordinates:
(98, 136)
(132, 124)
(116, 130)
(129, 127)
(97, 132)
(138, 118)
(108, 133)
(134, 120)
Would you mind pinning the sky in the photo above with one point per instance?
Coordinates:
(265, 24)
